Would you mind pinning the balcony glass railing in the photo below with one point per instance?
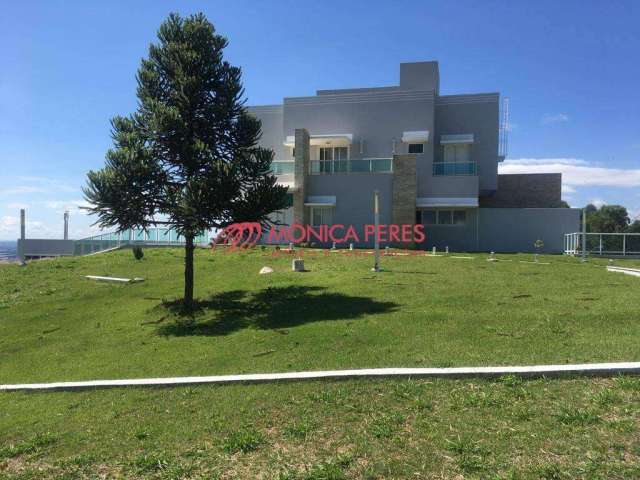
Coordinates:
(282, 167)
(365, 165)
(454, 168)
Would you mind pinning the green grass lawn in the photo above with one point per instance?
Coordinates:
(421, 311)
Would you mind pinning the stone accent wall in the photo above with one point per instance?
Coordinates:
(526, 190)
(405, 190)
(301, 170)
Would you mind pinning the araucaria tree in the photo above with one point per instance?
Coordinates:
(188, 157)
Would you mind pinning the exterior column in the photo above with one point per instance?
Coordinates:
(301, 171)
(405, 190)
(23, 236)
(66, 226)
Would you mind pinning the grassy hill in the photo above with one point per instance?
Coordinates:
(421, 311)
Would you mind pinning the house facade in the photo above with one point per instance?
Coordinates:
(433, 159)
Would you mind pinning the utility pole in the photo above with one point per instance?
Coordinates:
(376, 238)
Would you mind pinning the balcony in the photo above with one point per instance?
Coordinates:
(454, 168)
(365, 165)
(283, 167)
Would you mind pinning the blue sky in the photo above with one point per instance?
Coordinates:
(571, 71)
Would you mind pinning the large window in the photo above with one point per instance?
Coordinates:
(456, 160)
(443, 217)
(321, 216)
(457, 153)
(333, 159)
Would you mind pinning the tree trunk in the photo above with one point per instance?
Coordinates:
(188, 272)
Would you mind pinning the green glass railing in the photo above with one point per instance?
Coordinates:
(152, 236)
(454, 168)
(365, 165)
(282, 167)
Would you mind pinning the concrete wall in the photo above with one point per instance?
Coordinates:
(516, 229)
(35, 247)
(271, 117)
(506, 230)
(355, 206)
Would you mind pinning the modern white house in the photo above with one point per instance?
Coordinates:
(433, 158)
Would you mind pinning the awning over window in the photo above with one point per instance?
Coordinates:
(417, 136)
(332, 139)
(456, 139)
(444, 202)
(320, 201)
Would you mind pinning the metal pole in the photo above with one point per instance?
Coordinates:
(624, 244)
(600, 244)
(66, 225)
(376, 238)
(584, 234)
(22, 224)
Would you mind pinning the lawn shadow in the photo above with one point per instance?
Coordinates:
(271, 308)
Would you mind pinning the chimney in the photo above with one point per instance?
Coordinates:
(420, 76)
(22, 224)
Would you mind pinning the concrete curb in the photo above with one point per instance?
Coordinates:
(629, 271)
(588, 369)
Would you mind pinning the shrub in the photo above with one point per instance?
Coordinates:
(138, 253)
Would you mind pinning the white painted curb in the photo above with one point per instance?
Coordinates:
(593, 369)
(629, 271)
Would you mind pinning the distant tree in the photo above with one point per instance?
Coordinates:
(188, 157)
(634, 227)
(607, 219)
(564, 204)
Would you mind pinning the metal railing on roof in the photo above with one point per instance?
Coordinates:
(149, 237)
(614, 244)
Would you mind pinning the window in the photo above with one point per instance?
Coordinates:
(333, 160)
(459, 217)
(321, 216)
(293, 152)
(457, 153)
(416, 147)
(455, 160)
(340, 159)
(428, 217)
(442, 217)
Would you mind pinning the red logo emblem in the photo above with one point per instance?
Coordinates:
(239, 235)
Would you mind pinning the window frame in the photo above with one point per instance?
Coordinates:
(416, 144)
(439, 211)
(324, 221)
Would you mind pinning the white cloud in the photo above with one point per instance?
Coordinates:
(72, 206)
(21, 189)
(49, 183)
(17, 206)
(549, 118)
(597, 202)
(567, 189)
(575, 172)
(10, 228)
